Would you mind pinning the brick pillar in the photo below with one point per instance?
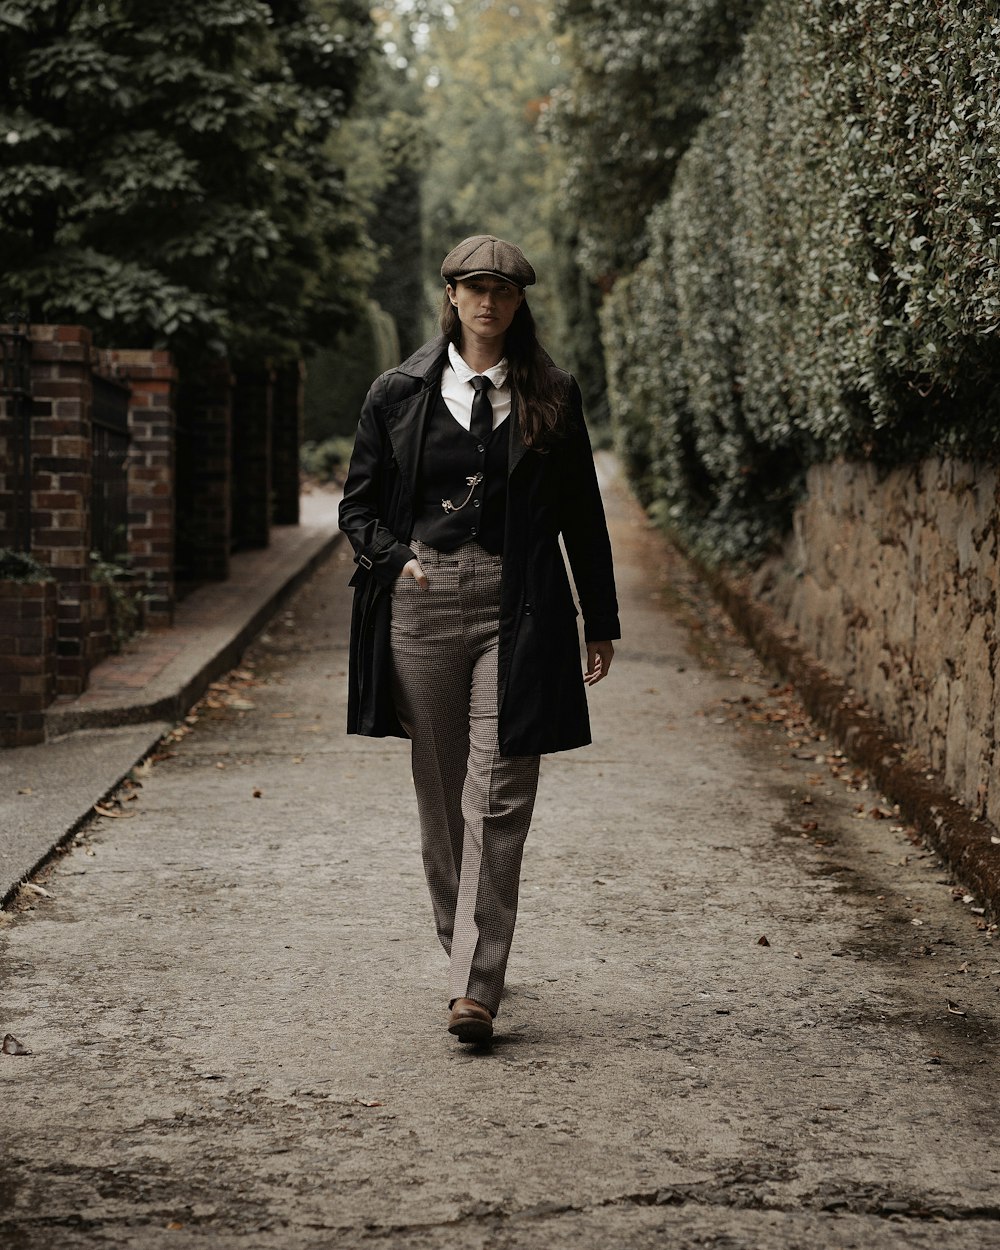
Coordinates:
(8, 469)
(252, 420)
(286, 438)
(151, 475)
(27, 659)
(204, 469)
(61, 446)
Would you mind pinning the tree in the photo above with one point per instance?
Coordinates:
(168, 176)
(644, 73)
(490, 75)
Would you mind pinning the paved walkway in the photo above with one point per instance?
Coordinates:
(134, 698)
(744, 1009)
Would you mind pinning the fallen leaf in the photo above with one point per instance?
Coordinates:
(107, 811)
(11, 1046)
(36, 889)
(242, 705)
(369, 1102)
(257, 794)
(762, 941)
(174, 1225)
(810, 826)
(26, 790)
(954, 1009)
(916, 922)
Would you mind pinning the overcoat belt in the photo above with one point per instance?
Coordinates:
(541, 696)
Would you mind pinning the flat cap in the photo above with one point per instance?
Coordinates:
(485, 253)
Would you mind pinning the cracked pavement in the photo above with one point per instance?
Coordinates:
(234, 998)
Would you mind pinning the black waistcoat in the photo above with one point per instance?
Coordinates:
(450, 455)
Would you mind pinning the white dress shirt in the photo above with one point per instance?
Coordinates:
(458, 392)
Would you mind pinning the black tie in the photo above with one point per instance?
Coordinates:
(482, 409)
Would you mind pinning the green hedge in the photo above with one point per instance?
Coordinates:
(338, 378)
(644, 75)
(824, 277)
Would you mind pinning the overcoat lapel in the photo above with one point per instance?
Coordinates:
(407, 422)
(406, 426)
(515, 447)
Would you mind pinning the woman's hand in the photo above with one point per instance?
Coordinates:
(599, 657)
(412, 569)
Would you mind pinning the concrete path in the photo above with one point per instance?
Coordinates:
(132, 699)
(728, 1019)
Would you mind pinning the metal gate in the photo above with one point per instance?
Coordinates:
(15, 389)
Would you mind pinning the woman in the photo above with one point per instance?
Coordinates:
(471, 458)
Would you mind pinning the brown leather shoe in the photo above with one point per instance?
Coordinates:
(470, 1021)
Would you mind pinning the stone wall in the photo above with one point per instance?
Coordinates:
(890, 579)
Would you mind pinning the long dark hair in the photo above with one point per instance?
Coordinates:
(541, 400)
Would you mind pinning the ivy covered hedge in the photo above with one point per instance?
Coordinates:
(824, 276)
(644, 73)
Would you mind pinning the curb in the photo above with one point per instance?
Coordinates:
(961, 839)
(174, 704)
(111, 739)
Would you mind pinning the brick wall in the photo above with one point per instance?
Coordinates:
(286, 438)
(27, 660)
(892, 581)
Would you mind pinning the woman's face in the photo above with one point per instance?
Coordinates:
(485, 305)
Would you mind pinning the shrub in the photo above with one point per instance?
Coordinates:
(825, 274)
(327, 460)
(18, 566)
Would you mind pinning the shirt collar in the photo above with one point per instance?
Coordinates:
(497, 374)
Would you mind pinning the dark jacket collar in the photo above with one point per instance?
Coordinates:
(427, 361)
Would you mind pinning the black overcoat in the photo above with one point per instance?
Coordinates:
(540, 691)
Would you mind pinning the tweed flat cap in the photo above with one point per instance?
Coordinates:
(485, 253)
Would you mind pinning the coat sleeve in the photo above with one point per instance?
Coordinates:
(366, 491)
(585, 530)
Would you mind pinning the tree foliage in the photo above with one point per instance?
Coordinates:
(387, 163)
(168, 175)
(825, 274)
(490, 74)
(644, 75)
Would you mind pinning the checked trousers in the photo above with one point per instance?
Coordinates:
(474, 804)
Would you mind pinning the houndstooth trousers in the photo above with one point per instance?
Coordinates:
(474, 804)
